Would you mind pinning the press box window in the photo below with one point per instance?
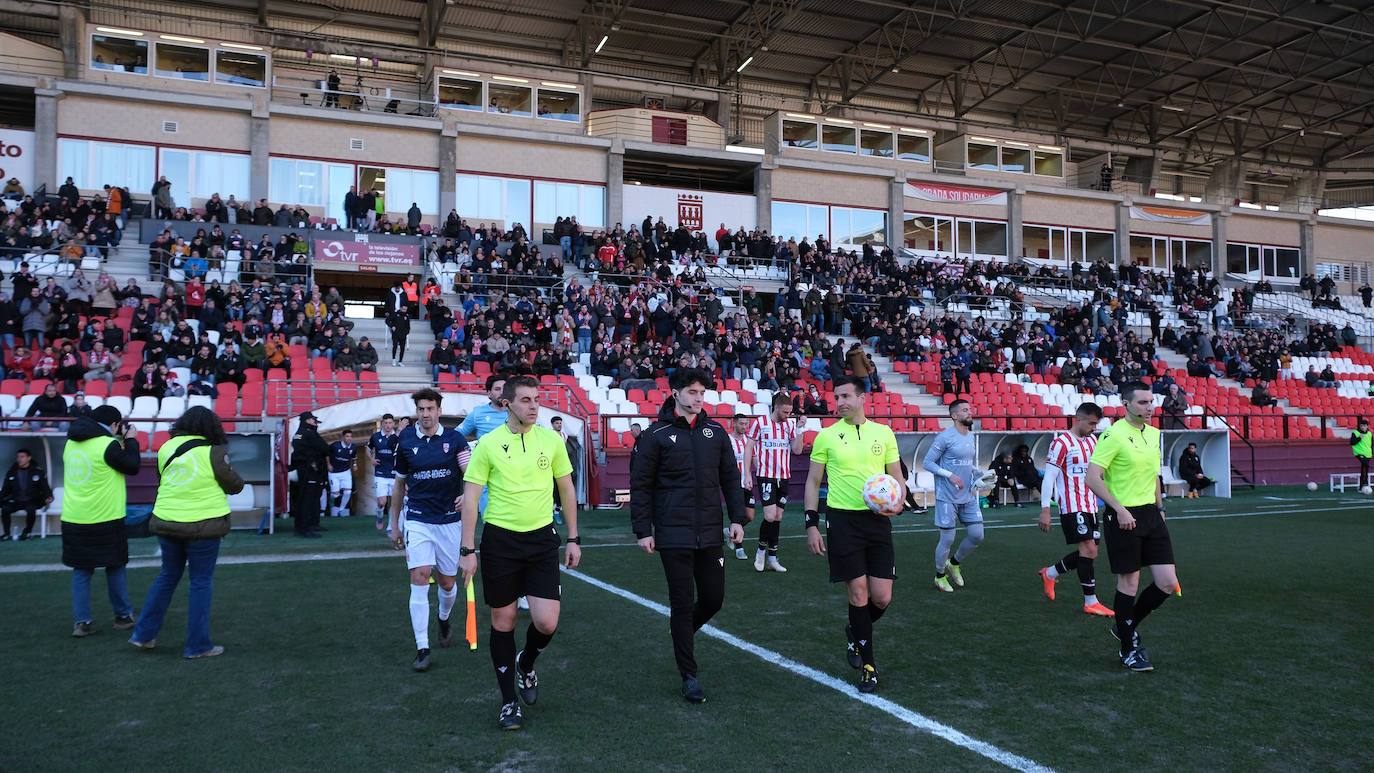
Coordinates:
(184, 62)
(460, 94)
(839, 139)
(911, 148)
(236, 69)
(797, 134)
(982, 157)
(875, 143)
(508, 100)
(1048, 164)
(560, 105)
(119, 54)
(1016, 160)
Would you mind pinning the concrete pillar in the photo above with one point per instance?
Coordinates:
(1307, 242)
(1123, 233)
(45, 139)
(71, 24)
(260, 147)
(1305, 193)
(1016, 199)
(615, 186)
(448, 170)
(896, 212)
(763, 197)
(1219, 243)
(1226, 185)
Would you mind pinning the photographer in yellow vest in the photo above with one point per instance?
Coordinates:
(100, 452)
(190, 518)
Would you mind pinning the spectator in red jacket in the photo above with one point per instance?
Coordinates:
(19, 364)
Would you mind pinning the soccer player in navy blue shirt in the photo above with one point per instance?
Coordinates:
(429, 465)
(343, 458)
(383, 447)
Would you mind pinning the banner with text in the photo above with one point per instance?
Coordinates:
(696, 210)
(342, 254)
(950, 194)
(1167, 215)
(16, 158)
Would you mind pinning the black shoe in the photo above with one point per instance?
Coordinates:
(526, 681)
(421, 660)
(851, 649)
(124, 622)
(5, 538)
(691, 690)
(1135, 637)
(510, 717)
(25, 536)
(868, 680)
(445, 632)
(1136, 660)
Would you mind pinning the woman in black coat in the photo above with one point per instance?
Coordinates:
(1190, 472)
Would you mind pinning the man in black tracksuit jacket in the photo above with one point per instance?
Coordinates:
(679, 469)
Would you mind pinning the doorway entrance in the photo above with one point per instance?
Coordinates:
(370, 178)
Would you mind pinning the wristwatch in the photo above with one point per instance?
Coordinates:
(574, 540)
(466, 552)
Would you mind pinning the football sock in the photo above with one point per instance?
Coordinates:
(972, 540)
(1149, 601)
(1086, 581)
(536, 642)
(343, 499)
(768, 536)
(419, 615)
(942, 551)
(875, 611)
(446, 599)
(1062, 566)
(861, 625)
(1125, 619)
(502, 646)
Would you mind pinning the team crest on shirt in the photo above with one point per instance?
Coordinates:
(876, 449)
(446, 448)
(706, 432)
(543, 462)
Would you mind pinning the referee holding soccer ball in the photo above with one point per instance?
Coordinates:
(848, 452)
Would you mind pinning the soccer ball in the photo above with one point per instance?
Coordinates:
(1311, 486)
(1367, 490)
(882, 492)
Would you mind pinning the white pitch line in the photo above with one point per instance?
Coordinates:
(895, 710)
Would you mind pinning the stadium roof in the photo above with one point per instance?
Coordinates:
(1281, 82)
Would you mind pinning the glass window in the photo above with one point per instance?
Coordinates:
(1283, 264)
(560, 105)
(982, 156)
(875, 143)
(592, 207)
(965, 231)
(508, 100)
(185, 62)
(1035, 242)
(990, 239)
(1049, 163)
(119, 55)
(504, 200)
(918, 232)
(1197, 254)
(407, 186)
(124, 166)
(1142, 250)
(175, 165)
(792, 220)
(837, 138)
(855, 226)
(240, 69)
(1016, 160)
(74, 161)
(1099, 244)
(798, 134)
(222, 173)
(460, 93)
(553, 200)
(911, 148)
(293, 181)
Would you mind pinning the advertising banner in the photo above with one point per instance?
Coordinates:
(342, 254)
(16, 158)
(950, 194)
(696, 210)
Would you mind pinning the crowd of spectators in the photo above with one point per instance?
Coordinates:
(73, 226)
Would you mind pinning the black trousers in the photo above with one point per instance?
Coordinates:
(30, 513)
(696, 591)
(307, 512)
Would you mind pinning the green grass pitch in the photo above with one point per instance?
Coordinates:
(1263, 663)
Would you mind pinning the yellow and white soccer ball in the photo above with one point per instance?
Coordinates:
(882, 492)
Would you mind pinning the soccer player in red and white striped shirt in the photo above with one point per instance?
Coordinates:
(1066, 479)
(744, 458)
(775, 437)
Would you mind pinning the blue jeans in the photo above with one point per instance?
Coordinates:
(444, 369)
(565, 242)
(200, 555)
(584, 344)
(116, 582)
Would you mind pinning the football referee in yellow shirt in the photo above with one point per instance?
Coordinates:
(847, 453)
(1124, 472)
(518, 462)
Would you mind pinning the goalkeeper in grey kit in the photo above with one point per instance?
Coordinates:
(951, 460)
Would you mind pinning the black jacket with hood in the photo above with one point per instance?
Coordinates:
(678, 474)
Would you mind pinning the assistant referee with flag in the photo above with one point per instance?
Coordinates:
(1124, 473)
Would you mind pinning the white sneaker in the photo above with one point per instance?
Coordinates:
(522, 603)
(775, 566)
(759, 558)
(741, 555)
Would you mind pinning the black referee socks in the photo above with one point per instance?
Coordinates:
(502, 646)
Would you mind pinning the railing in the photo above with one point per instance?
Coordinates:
(42, 263)
(1209, 411)
(355, 96)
